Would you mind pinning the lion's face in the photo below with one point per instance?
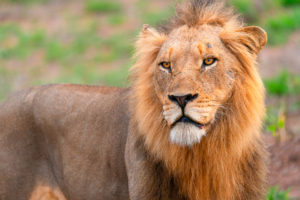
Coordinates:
(193, 78)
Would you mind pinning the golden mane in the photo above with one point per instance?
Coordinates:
(198, 12)
(223, 154)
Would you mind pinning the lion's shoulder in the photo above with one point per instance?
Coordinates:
(85, 88)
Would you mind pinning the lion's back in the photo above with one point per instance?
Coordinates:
(80, 131)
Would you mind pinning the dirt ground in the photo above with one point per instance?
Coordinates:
(284, 164)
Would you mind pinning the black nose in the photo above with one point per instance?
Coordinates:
(183, 100)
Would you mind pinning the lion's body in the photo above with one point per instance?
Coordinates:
(187, 129)
(54, 136)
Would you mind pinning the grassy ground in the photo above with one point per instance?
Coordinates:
(91, 42)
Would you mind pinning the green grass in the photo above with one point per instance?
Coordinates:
(290, 2)
(25, 1)
(22, 43)
(276, 194)
(5, 76)
(116, 19)
(99, 6)
(246, 8)
(284, 83)
(280, 26)
(153, 16)
(54, 51)
(274, 122)
(79, 74)
(78, 59)
(118, 77)
(282, 86)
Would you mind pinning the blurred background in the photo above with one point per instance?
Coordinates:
(92, 42)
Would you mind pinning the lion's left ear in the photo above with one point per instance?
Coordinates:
(253, 38)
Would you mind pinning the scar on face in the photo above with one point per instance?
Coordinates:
(208, 45)
(200, 48)
(170, 52)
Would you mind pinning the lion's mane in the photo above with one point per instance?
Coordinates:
(214, 168)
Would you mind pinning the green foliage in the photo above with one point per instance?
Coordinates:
(284, 83)
(246, 8)
(55, 51)
(276, 194)
(290, 2)
(18, 44)
(116, 77)
(26, 1)
(154, 18)
(80, 74)
(5, 76)
(116, 20)
(274, 122)
(279, 27)
(115, 47)
(99, 6)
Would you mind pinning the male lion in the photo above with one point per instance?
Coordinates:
(188, 128)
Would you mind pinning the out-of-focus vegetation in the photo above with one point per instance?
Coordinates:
(277, 194)
(87, 48)
(279, 17)
(86, 51)
(284, 83)
(282, 25)
(25, 1)
(102, 6)
(283, 86)
(290, 2)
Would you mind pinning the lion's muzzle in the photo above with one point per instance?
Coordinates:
(187, 119)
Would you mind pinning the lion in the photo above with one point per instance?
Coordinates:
(187, 128)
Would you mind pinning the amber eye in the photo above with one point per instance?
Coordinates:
(166, 65)
(209, 61)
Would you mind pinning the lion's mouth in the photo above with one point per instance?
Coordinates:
(185, 119)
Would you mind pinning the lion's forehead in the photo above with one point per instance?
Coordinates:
(188, 40)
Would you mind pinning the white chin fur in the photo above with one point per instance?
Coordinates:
(185, 134)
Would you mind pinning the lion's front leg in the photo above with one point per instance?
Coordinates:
(143, 180)
(147, 179)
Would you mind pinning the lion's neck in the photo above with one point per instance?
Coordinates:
(212, 167)
(205, 171)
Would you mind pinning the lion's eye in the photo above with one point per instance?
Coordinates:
(209, 61)
(166, 65)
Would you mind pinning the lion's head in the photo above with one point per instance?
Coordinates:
(195, 66)
(193, 78)
(196, 93)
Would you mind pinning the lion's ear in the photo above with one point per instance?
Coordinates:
(151, 35)
(252, 38)
(149, 41)
(148, 31)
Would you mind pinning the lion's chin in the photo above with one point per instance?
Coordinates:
(186, 134)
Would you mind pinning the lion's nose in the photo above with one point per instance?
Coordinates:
(182, 100)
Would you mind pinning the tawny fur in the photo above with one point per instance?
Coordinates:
(217, 167)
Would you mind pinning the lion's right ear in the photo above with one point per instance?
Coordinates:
(148, 31)
(149, 41)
